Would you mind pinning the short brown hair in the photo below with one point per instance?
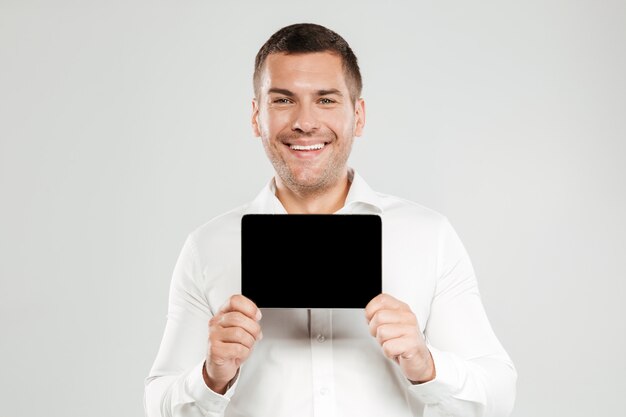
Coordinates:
(303, 38)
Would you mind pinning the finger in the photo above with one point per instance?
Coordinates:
(236, 320)
(243, 305)
(383, 301)
(389, 332)
(234, 335)
(396, 317)
(399, 347)
(222, 352)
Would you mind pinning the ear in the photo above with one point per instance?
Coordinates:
(359, 117)
(255, 118)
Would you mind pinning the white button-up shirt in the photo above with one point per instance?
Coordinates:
(324, 362)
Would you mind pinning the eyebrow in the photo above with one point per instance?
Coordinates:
(289, 93)
(329, 92)
(280, 91)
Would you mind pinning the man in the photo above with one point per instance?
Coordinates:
(424, 347)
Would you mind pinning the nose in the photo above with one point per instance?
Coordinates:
(305, 119)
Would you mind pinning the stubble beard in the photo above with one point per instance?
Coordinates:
(308, 183)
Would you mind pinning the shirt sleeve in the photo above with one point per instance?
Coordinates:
(175, 386)
(474, 374)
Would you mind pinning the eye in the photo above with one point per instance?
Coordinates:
(325, 100)
(281, 100)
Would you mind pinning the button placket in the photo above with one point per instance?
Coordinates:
(322, 361)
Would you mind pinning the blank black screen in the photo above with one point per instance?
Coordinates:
(311, 260)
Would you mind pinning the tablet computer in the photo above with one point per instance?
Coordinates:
(311, 260)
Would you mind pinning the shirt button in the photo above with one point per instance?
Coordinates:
(321, 338)
(324, 391)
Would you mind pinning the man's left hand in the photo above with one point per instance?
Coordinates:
(394, 325)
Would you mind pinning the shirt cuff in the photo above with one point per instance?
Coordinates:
(449, 379)
(205, 398)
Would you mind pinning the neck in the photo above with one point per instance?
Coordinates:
(326, 201)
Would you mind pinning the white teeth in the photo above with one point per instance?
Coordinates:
(307, 147)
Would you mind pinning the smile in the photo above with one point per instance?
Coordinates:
(314, 147)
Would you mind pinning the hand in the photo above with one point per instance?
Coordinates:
(395, 327)
(233, 331)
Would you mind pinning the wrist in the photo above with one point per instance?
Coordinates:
(219, 388)
(428, 373)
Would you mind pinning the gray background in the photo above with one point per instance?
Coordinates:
(126, 124)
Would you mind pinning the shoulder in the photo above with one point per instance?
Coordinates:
(408, 218)
(398, 207)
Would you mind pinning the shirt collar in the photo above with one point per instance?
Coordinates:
(360, 199)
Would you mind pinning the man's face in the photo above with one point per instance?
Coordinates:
(306, 119)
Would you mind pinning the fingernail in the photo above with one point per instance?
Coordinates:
(258, 315)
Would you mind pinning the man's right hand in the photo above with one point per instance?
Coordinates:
(233, 331)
